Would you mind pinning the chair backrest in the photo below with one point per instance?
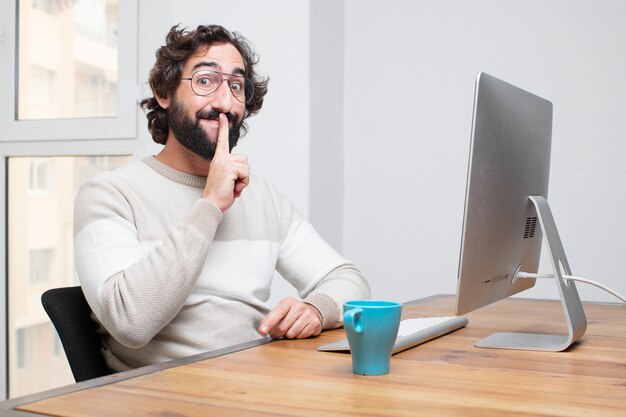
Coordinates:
(70, 315)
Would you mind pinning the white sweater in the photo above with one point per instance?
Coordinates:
(167, 275)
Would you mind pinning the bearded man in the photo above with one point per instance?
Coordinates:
(176, 253)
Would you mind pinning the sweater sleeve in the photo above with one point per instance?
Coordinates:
(135, 288)
(322, 277)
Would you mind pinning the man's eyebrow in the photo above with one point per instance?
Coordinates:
(216, 66)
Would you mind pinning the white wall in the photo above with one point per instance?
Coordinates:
(406, 150)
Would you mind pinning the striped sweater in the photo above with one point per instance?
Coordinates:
(168, 275)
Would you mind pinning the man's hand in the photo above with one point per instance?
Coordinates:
(229, 173)
(292, 319)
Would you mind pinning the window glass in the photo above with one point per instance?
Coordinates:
(68, 56)
(58, 347)
(41, 175)
(40, 265)
(40, 256)
(20, 336)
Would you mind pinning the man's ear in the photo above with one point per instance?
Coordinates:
(164, 102)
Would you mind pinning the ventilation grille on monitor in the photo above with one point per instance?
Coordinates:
(496, 278)
(529, 229)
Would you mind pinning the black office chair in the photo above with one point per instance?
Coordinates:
(70, 315)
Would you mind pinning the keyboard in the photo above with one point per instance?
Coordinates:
(411, 332)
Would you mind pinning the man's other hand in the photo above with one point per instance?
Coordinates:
(229, 173)
(292, 319)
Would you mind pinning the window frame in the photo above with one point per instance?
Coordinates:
(124, 125)
(62, 137)
(43, 148)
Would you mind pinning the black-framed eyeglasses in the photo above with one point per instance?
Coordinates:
(205, 82)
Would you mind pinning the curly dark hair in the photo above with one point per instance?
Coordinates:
(166, 74)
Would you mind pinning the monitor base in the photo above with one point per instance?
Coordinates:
(570, 300)
(525, 341)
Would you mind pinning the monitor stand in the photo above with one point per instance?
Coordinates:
(572, 307)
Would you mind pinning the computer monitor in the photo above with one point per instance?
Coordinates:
(506, 212)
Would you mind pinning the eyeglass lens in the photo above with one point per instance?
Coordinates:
(206, 82)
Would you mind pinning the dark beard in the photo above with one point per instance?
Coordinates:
(193, 137)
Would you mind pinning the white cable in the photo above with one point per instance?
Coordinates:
(572, 278)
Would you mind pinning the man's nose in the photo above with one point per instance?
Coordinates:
(222, 98)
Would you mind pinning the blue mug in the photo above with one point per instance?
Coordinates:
(371, 327)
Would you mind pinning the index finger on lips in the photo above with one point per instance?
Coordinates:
(222, 136)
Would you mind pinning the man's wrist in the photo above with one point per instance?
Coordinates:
(318, 312)
(329, 309)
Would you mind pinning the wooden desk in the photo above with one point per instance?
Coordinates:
(444, 377)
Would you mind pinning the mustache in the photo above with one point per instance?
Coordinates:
(214, 115)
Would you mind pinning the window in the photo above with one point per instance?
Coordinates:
(58, 346)
(46, 6)
(40, 256)
(67, 60)
(71, 88)
(96, 92)
(41, 91)
(20, 337)
(40, 266)
(41, 175)
(67, 78)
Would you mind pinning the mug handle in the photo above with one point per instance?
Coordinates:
(353, 320)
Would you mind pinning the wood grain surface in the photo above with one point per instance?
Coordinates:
(444, 377)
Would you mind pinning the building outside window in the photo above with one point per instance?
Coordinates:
(40, 265)
(40, 176)
(68, 56)
(40, 256)
(68, 113)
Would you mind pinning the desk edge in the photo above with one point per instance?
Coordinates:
(8, 407)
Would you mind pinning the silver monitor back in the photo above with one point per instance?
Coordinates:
(509, 161)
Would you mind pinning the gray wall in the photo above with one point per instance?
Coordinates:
(327, 114)
(406, 149)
